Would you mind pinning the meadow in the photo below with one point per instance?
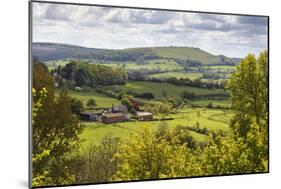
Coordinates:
(157, 89)
(177, 75)
(55, 63)
(157, 64)
(101, 99)
(212, 119)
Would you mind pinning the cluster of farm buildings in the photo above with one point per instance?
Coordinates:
(115, 114)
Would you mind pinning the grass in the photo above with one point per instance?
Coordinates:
(177, 75)
(55, 63)
(210, 118)
(221, 68)
(187, 53)
(158, 64)
(101, 99)
(157, 88)
(223, 103)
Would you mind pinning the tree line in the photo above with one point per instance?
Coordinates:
(85, 74)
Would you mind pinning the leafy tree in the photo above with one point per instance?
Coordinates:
(82, 73)
(40, 157)
(127, 102)
(249, 95)
(249, 92)
(210, 105)
(42, 79)
(188, 95)
(148, 157)
(76, 105)
(81, 77)
(91, 103)
(52, 139)
(96, 162)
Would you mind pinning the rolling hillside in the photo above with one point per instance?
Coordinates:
(54, 51)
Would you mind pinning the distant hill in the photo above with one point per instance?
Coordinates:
(55, 51)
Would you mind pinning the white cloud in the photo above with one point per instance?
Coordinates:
(114, 28)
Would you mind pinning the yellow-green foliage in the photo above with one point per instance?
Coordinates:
(249, 92)
(39, 179)
(148, 156)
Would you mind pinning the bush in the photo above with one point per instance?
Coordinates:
(91, 103)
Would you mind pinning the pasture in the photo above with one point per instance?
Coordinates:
(101, 99)
(157, 64)
(55, 63)
(212, 119)
(158, 88)
(223, 103)
(178, 75)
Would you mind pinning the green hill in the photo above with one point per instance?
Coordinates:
(188, 53)
(183, 55)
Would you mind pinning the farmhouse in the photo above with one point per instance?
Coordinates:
(119, 109)
(113, 117)
(144, 116)
(91, 116)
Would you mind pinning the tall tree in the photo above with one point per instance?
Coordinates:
(249, 92)
(249, 95)
(55, 128)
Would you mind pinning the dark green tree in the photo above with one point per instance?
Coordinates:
(91, 103)
(76, 105)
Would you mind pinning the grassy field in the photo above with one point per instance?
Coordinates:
(221, 68)
(158, 64)
(101, 99)
(153, 87)
(187, 53)
(210, 118)
(54, 64)
(222, 103)
(177, 75)
(157, 88)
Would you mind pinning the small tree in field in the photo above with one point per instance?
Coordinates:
(76, 105)
(91, 103)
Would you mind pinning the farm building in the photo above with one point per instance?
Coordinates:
(119, 109)
(144, 115)
(77, 88)
(113, 117)
(91, 116)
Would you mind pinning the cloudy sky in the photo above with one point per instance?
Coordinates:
(118, 28)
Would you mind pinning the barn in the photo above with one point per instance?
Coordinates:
(113, 117)
(90, 116)
(119, 109)
(144, 116)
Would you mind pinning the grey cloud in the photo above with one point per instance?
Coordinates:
(155, 17)
(54, 12)
(211, 17)
(252, 20)
(139, 16)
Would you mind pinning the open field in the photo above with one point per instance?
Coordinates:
(187, 53)
(55, 63)
(212, 119)
(157, 88)
(222, 103)
(158, 64)
(101, 99)
(177, 75)
(221, 68)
